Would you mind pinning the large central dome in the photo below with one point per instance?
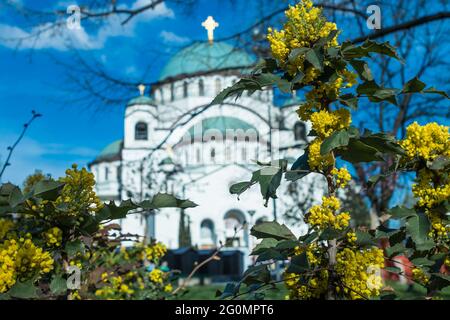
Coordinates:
(204, 57)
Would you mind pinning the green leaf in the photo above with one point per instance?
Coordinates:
(349, 100)
(240, 187)
(112, 211)
(422, 262)
(165, 200)
(47, 189)
(400, 212)
(435, 91)
(383, 143)
(58, 285)
(364, 238)
(395, 250)
(266, 243)
(315, 58)
(413, 85)
(330, 234)
(357, 151)
(395, 270)
(270, 254)
(23, 290)
(295, 53)
(351, 51)
(74, 247)
(418, 227)
(336, 140)
(440, 163)
(362, 68)
(272, 230)
(16, 197)
(256, 274)
(299, 264)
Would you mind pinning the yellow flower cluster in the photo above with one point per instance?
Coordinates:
(304, 26)
(351, 238)
(22, 259)
(430, 191)
(168, 288)
(439, 231)
(155, 251)
(53, 237)
(316, 161)
(118, 287)
(78, 193)
(342, 176)
(426, 142)
(6, 226)
(420, 276)
(359, 272)
(325, 215)
(305, 288)
(156, 276)
(325, 123)
(431, 188)
(312, 253)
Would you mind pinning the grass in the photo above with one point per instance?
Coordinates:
(208, 292)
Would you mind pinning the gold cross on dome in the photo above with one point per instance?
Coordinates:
(209, 24)
(141, 88)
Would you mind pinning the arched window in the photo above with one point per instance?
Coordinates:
(244, 153)
(213, 154)
(185, 89)
(299, 131)
(106, 173)
(141, 131)
(201, 87)
(207, 234)
(161, 94)
(218, 86)
(235, 234)
(172, 92)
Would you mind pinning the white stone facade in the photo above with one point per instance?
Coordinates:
(202, 167)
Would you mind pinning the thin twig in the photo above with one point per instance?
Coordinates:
(13, 147)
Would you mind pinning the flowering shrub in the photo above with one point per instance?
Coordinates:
(53, 225)
(332, 260)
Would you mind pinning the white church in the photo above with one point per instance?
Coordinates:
(174, 141)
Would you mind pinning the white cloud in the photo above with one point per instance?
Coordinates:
(170, 37)
(62, 38)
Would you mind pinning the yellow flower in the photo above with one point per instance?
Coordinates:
(315, 160)
(156, 276)
(6, 226)
(155, 251)
(78, 195)
(359, 272)
(325, 215)
(168, 288)
(325, 123)
(426, 142)
(420, 276)
(342, 176)
(22, 259)
(53, 237)
(304, 26)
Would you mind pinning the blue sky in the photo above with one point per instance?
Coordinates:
(30, 78)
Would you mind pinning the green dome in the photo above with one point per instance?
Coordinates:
(110, 152)
(222, 124)
(141, 100)
(202, 57)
